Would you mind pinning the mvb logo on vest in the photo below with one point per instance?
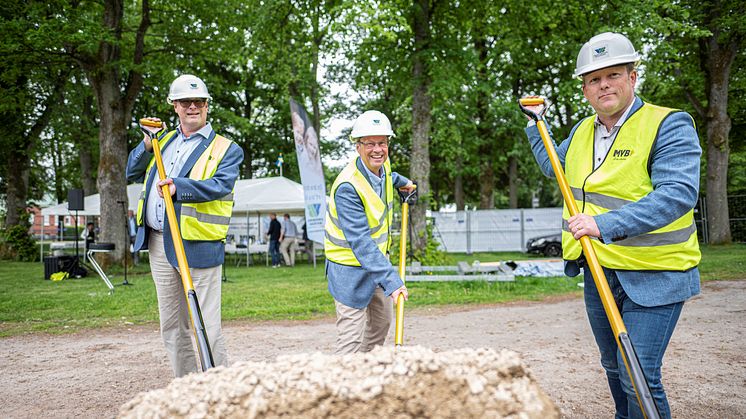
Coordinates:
(621, 154)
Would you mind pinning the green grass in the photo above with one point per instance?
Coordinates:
(30, 304)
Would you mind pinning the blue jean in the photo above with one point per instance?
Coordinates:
(649, 329)
(274, 251)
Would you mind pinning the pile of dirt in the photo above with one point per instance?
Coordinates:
(387, 382)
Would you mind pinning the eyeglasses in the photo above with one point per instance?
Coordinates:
(198, 103)
(371, 146)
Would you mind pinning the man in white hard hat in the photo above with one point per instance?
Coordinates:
(634, 172)
(358, 237)
(202, 168)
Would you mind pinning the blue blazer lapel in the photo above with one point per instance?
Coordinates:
(195, 154)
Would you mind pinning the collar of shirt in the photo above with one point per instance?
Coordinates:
(203, 132)
(375, 180)
(602, 128)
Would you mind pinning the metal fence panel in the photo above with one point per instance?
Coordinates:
(493, 230)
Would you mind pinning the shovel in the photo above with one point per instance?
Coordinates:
(631, 362)
(406, 200)
(151, 128)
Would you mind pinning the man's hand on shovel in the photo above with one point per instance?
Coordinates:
(535, 104)
(151, 128)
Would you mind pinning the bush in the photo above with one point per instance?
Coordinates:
(17, 244)
(430, 256)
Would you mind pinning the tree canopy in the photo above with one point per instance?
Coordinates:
(77, 75)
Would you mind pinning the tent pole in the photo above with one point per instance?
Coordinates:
(259, 228)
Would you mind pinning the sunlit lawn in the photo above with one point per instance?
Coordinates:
(30, 304)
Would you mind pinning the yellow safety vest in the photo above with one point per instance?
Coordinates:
(199, 220)
(378, 213)
(623, 178)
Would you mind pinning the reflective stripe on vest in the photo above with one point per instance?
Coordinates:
(207, 220)
(623, 179)
(378, 213)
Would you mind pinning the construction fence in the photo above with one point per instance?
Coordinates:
(501, 230)
(736, 215)
(507, 230)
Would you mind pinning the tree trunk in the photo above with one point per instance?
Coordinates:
(421, 119)
(115, 111)
(718, 150)
(513, 181)
(17, 185)
(247, 113)
(86, 146)
(19, 158)
(86, 167)
(484, 133)
(317, 39)
(486, 186)
(112, 184)
(458, 186)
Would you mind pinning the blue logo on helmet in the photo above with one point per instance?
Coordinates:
(600, 52)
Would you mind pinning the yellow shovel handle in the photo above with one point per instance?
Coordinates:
(399, 326)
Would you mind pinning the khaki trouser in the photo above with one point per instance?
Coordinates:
(174, 311)
(292, 243)
(359, 330)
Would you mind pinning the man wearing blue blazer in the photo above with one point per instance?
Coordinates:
(633, 169)
(202, 168)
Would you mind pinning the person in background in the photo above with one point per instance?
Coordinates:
(307, 244)
(273, 234)
(88, 235)
(288, 240)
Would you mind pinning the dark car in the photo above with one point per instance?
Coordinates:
(549, 245)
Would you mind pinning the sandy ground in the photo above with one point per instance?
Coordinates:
(92, 374)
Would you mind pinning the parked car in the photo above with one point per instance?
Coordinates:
(549, 245)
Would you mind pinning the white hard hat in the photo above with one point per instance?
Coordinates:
(605, 50)
(187, 86)
(371, 123)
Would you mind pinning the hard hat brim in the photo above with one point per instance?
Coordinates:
(173, 98)
(590, 68)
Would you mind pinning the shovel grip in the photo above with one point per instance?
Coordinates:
(150, 123)
(531, 101)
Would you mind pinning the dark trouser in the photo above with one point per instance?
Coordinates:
(649, 328)
(309, 249)
(274, 251)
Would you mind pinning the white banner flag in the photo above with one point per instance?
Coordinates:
(311, 172)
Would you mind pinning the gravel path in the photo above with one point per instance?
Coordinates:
(91, 374)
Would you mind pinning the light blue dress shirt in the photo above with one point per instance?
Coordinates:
(289, 229)
(174, 157)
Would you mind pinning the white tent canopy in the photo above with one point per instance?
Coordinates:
(251, 196)
(92, 203)
(268, 194)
